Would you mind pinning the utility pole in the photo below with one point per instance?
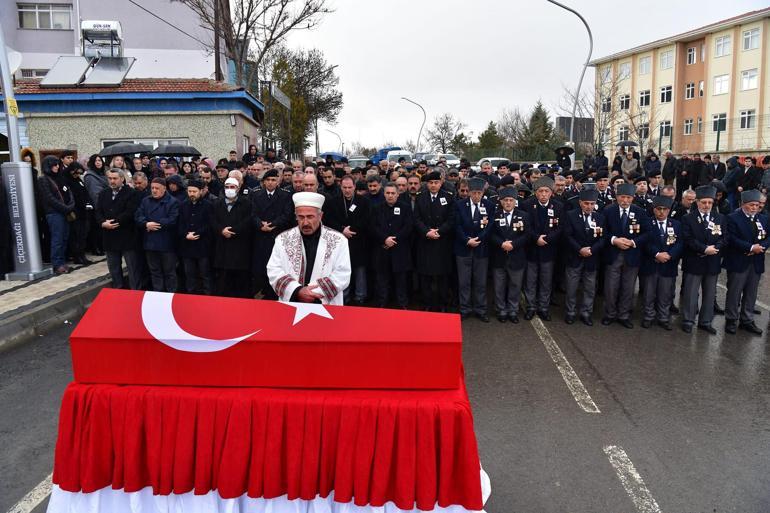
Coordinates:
(217, 63)
(17, 179)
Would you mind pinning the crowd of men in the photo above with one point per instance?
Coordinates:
(432, 236)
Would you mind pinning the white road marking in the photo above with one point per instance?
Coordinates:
(572, 380)
(34, 497)
(631, 480)
(758, 302)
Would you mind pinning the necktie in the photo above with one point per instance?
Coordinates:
(754, 229)
(586, 217)
(433, 199)
(624, 219)
(476, 214)
(662, 229)
(269, 195)
(508, 219)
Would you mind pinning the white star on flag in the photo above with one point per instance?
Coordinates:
(302, 310)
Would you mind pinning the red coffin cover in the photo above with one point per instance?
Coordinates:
(152, 338)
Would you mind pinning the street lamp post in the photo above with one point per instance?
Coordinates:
(582, 73)
(17, 179)
(424, 118)
(342, 145)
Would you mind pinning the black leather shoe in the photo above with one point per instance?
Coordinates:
(570, 319)
(586, 319)
(483, 317)
(626, 323)
(529, 315)
(751, 328)
(731, 327)
(665, 325)
(465, 316)
(707, 328)
(646, 323)
(514, 319)
(687, 328)
(544, 316)
(99, 252)
(606, 321)
(757, 311)
(674, 309)
(718, 310)
(502, 318)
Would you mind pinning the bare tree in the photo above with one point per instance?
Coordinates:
(510, 126)
(443, 132)
(410, 146)
(250, 29)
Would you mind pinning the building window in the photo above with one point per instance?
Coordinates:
(644, 98)
(722, 46)
(666, 59)
(606, 104)
(719, 122)
(153, 143)
(245, 143)
(645, 63)
(748, 118)
(688, 127)
(700, 88)
(644, 131)
(700, 125)
(721, 84)
(45, 16)
(623, 133)
(665, 94)
(625, 102)
(751, 39)
(624, 71)
(691, 59)
(749, 79)
(606, 72)
(665, 128)
(33, 73)
(703, 53)
(689, 91)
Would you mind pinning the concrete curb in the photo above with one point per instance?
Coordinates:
(43, 315)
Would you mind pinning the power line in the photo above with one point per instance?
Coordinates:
(170, 24)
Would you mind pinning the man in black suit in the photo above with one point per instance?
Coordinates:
(391, 229)
(584, 237)
(348, 213)
(545, 215)
(511, 234)
(434, 227)
(115, 208)
(272, 213)
(705, 234)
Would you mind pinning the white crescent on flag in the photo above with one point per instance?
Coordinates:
(158, 318)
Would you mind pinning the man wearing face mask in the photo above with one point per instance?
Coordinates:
(233, 232)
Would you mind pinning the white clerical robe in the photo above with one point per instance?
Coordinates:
(331, 269)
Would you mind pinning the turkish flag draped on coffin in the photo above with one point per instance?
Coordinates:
(152, 338)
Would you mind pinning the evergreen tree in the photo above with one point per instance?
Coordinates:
(490, 139)
(539, 139)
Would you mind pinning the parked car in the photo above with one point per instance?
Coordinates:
(396, 155)
(451, 159)
(382, 154)
(420, 155)
(430, 158)
(495, 161)
(357, 161)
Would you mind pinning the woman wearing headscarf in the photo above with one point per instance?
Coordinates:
(58, 205)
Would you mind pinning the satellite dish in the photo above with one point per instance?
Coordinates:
(14, 60)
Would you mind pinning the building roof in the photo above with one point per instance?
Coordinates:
(689, 35)
(134, 85)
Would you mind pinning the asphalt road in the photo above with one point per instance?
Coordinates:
(690, 412)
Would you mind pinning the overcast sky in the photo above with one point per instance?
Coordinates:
(475, 59)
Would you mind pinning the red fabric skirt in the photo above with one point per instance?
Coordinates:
(412, 448)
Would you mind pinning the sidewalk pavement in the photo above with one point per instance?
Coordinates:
(29, 309)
